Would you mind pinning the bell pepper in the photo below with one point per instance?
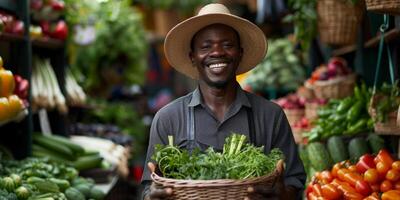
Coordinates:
(347, 190)
(384, 156)
(365, 162)
(331, 192)
(15, 105)
(363, 188)
(391, 195)
(7, 82)
(4, 109)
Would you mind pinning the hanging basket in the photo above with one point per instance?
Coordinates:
(390, 126)
(391, 7)
(339, 21)
(215, 189)
(336, 88)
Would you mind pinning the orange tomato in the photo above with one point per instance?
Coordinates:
(393, 175)
(373, 196)
(375, 187)
(386, 186)
(384, 156)
(391, 195)
(382, 168)
(326, 176)
(352, 168)
(331, 192)
(396, 165)
(317, 190)
(371, 175)
(335, 169)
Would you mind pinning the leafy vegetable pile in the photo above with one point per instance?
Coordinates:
(389, 101)
(239, 160)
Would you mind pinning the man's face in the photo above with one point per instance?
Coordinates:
(216, 54)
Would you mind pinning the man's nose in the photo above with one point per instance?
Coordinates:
(217, 51)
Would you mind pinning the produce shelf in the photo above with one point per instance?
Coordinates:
(11, 37)
(49, 43)
(389, 36)
(9, 5)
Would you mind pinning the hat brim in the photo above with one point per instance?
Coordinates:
(177, 42)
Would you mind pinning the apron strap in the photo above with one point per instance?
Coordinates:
(190, 130)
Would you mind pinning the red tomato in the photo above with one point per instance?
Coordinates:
(365, 162)
(375, 187)
(363, 188)
(393, 175)
(382, 168)
(396, 185)
(373, 196)
(335, 169)
(326, 176)
(396, 165)
(386, 186)
(331, 192)
(371, 175)
(317, 190)
(384, 156)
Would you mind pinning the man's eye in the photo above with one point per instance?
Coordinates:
(228, 45)
(205, 47)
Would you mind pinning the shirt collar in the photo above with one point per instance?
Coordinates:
(241, 98)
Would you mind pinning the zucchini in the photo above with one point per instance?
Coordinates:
(87, 162)
(40, 152)
(62, 184)
(53, 146)
(337, 149)
(357, 147)
(376, 143)
(319, 156)
(77, 149)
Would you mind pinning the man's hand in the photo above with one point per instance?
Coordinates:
(158, 193)
(278, 191)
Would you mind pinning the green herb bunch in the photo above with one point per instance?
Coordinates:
(239, 160)
(388, 101)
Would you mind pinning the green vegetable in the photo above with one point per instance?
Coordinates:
(337, 149)
(5, 195)
(97, 194)
(375, 142)
(8, 184)
(88, 162)
(17, 179)
(62, 184)
(73, 194)
(57, 147)
(344, 105)
(22, 192)
(359, 126)
(76, 149)
(238, 160)
(84, 189)
(319, 156)
(357, 147)
(355, 111)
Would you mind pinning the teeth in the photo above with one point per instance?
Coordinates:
(217, 65)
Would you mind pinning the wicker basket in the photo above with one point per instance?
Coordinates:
(215, 189)
(391, 7)
(390, 127)
(339, 21)
(336, 88)
(311, 111)
(293, 115)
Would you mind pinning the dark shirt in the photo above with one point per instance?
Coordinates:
(272, 129)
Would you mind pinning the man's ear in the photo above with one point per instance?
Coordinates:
(191, 58)
(241, 53)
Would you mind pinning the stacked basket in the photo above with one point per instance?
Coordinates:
(336, 88)
(384, 6)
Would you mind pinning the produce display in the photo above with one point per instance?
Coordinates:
(369, 178)
(75, 94)
(347, 116)
(108, 131)
(12, 89)
(10, 24)
(239, 160)
(281, 68)
(40, 179)
(46, 92)
(336, 67)
(387, 101)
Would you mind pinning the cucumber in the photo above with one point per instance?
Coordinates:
(74, 194)
(357, 147)
(375, 142)
(53, 146)
(319, 156)
(337, 149)
(87, 162)
(77, 149)
(61, 183)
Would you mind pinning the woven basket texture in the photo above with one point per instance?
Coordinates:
(311, 111)
(226, 189)
(390, 127)
(339, 21)
(384, 6)
(336, 88)
(293, 115)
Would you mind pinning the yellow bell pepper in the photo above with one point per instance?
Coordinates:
(7, 83)
(15, 105)
(4, 109)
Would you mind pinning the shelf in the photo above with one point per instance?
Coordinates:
(9, 5)
(11, 37)
(389, 36)
(106, 187)
(46, 42)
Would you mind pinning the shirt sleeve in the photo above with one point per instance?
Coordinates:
(158, 135)
(283, 139)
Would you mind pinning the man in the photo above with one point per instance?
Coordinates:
(213, 47)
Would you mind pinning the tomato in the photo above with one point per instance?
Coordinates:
(396, 165)
(393, 175)
(317, 190)
(365, 162)
(352, 178)
(341, 172)
(375, 187)
(386, 186)
(391, 195)
(384, 156)
(335, 169)
(309, 189)
(373, 196)
(382, 168)
(326, 176)
(331, 192)
(396, 185)
(347, 190)
(363, 188)
(371, 175)
(352, 168)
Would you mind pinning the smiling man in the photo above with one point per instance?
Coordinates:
(213, 47)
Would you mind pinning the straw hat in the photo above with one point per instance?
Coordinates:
(177, 41)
